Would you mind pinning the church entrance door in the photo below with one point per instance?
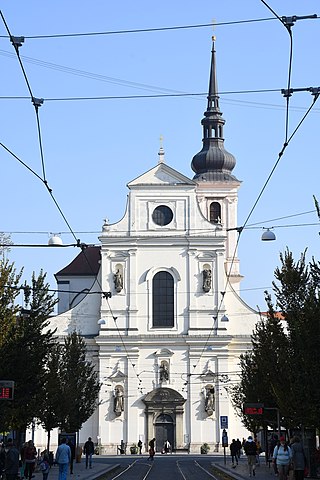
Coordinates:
(164, 431)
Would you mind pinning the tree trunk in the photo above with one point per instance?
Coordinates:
(48, 441)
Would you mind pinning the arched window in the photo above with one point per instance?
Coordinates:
(215, 212)
(162, 300)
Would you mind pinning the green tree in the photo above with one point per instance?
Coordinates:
(298, 298)
(25, 342)
(9, 291)
(261, 369)
(282, 368)
(51, 395)
(80, 384)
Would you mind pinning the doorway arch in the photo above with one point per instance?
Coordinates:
(164, 416)
(164, 431)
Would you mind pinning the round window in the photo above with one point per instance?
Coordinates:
(162, 215)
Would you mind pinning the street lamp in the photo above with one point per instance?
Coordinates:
(268, 235)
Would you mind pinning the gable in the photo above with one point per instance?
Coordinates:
(161, 174)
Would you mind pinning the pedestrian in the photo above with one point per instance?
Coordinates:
(250, 449)
(239, 445)
(73, 452)
(44, 465)
(29, 458)
(282, 457)
(88, 450)
(2, 458)
(167, 446)
(298, 458)
(151, 449)
(233, 452)
(259, 450)
(273, 443)
(140, 447)
(11, 461)
(63, 458)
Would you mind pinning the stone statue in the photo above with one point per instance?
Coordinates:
(209, 401)
(118, 406)
(118, 282)
(207, 278)
(164, 371)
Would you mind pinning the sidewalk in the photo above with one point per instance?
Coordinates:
(79, 471)
(241, 471)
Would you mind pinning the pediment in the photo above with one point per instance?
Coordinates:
(118, 375)
(164, 396)
(161, 174)
(164, 352)
(208, 375)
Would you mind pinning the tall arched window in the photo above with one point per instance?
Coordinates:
(215, 212)
(162, 300)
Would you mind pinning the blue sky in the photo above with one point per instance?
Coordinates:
(93, 148)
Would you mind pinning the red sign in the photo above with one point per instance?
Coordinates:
(253, 408)
(6, 390)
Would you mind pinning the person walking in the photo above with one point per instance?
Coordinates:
(73, 453)
(234, 452)
(259, 450)
(88, 450)
(63, 458)
(151, 449)
(29, 458)
(44, 465)
(282, 457)
(273, 443)
(239, 445)
(250, 449)
(11, 461)
(167, 446)
(298, 458)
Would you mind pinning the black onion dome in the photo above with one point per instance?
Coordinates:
(213, 162)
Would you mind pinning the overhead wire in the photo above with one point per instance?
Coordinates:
(146, 30)
(36, 103)
(98, 232)
(42, 154)
(240, 229)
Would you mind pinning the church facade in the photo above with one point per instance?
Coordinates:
(160, 306)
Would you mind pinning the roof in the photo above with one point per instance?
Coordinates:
(87, 263)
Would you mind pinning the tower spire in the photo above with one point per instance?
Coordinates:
(213, 162)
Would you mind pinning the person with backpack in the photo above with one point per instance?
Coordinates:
(44, 466)
(151, 449)
(250, 449)
(282, 456)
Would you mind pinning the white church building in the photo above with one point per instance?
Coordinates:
(159, 304)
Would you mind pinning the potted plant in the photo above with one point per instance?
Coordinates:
(204, 449)
(134, 449)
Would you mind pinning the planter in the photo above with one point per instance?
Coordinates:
(204, 449)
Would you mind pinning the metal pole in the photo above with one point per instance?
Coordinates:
(278, 422)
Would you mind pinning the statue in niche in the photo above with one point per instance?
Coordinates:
(164, 371)
(118, 401)
(209, 400)
(118, 281)
(207, 279)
